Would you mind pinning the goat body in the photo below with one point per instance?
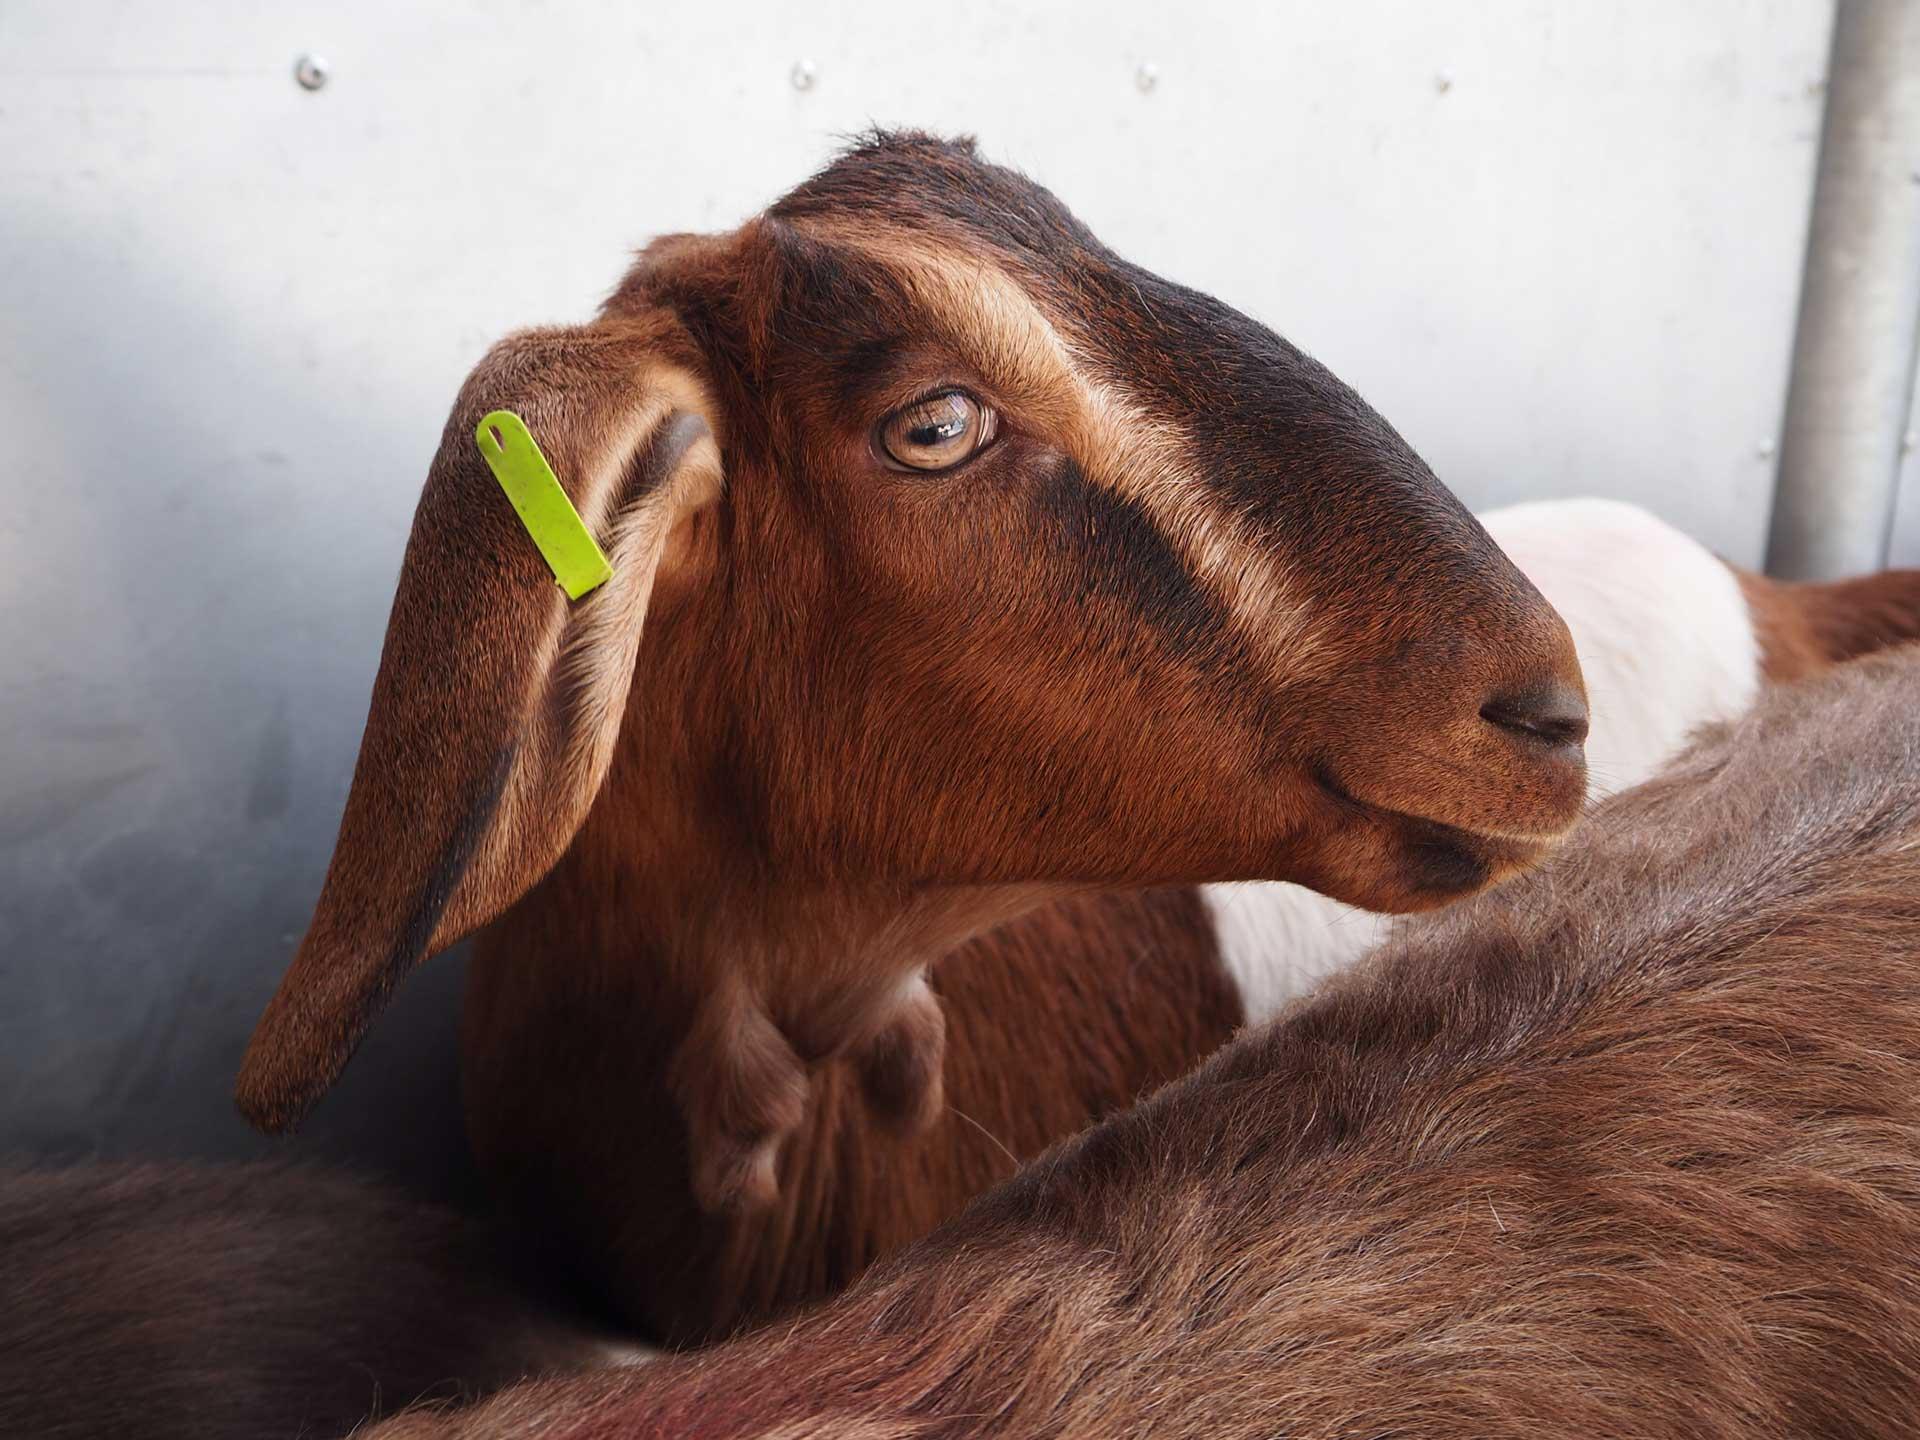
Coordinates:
(1627, 1147)
(251, 1302)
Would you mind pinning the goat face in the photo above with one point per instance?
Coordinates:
(970, 554)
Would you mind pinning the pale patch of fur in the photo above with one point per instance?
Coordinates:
(1279, 941)
(1667, 646)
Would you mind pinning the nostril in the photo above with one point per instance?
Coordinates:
(1553, 713)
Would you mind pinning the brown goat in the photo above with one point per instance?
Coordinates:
(1630, 1147)
(251, 1302)
(978, 568)
(643, 1030)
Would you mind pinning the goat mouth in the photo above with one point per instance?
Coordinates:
(1439, 861)
(1443, 862)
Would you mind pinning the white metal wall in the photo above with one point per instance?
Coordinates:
(1557, 244)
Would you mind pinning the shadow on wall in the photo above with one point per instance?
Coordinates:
(196, 561)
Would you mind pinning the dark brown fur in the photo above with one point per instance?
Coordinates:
(1629, 1148)
(251, 1302)
(1054, 1021)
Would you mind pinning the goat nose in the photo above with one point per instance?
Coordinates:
(1551, 713)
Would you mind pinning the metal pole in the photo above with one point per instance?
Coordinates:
(1854, 346)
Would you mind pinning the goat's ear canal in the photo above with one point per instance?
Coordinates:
(498, 701)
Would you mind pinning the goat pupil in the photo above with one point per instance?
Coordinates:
(938, 431)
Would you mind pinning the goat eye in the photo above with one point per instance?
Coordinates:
(936, 433)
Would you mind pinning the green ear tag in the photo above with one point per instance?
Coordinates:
(569, 548)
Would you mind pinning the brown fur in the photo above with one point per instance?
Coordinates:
(1804, 626)
(1197, 614)
(1630, 1147)
(249, 1302)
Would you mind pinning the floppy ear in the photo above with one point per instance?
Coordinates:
(498, 700)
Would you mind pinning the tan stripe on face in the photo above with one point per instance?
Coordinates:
(1078, 391)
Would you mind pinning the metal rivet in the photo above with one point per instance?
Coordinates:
(1764, 449)
(802, 75)
(1146, 77)
(1443, 82)
(311, 71)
